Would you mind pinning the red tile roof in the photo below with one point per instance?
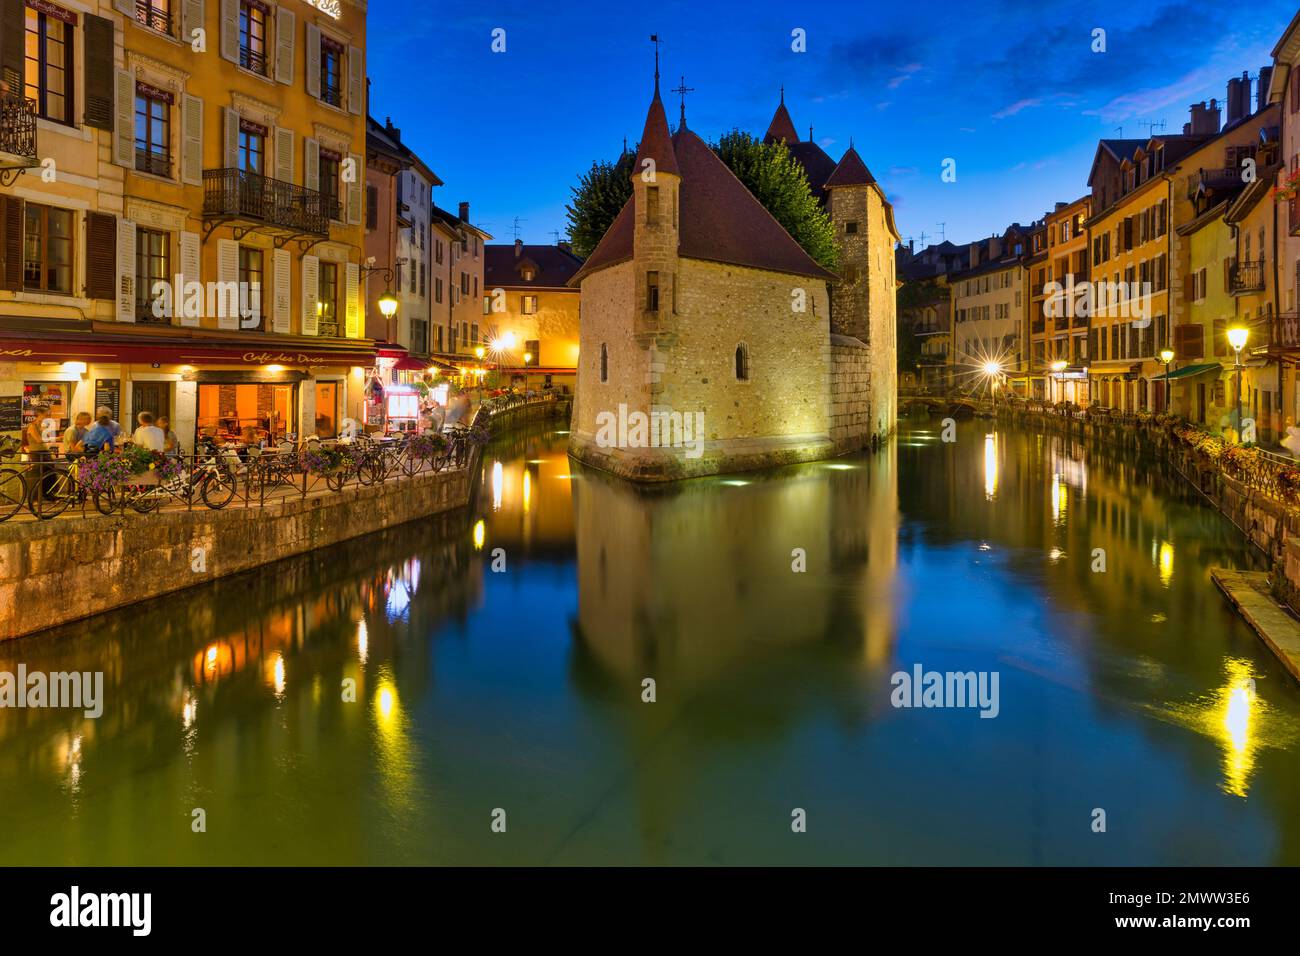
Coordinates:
(851, 171)
(553, 266)
(781, 127)
(719, 220)
(656, 142)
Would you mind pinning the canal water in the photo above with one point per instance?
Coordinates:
(499, 659)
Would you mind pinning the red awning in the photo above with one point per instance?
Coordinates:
(189, 353)
(411, 364)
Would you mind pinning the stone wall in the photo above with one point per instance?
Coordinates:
(53, 572)
(852, 422)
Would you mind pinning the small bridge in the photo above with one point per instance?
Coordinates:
(951, 406)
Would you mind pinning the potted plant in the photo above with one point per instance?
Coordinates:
(427, 446)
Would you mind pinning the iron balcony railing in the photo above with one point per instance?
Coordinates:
(154, 17)
(239, 194)
(18, 127)
(158, 164)
(1246, 277)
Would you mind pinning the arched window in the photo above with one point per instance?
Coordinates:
(742, 363)
(604, 362)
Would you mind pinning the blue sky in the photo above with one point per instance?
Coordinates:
(1011, 90)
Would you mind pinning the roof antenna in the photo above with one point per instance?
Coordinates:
(556, 234)
(810, 132)
(517, 222)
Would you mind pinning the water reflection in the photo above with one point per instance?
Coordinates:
(372, 703)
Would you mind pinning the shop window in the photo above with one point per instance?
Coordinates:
(49, 81)
(47, 257)
(152, 130)
(252, 36)
(246, 411)
(152, 265)
(327, 299)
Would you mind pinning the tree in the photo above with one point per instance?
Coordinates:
(600, 195)
(779, 182)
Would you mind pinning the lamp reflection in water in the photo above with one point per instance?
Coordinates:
(396, 768)
(480, 532)
(1162, 556)
(990, 466)
(363, 640)
(498, 484)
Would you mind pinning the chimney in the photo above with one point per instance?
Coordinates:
(1238, 98)
(974, 254)
(519, 248)
(995, 248)
(1205, 119)
(464, 212)
(911, 247)
(1265, 78)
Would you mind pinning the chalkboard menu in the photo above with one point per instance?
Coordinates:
(108, 393)
(11, 413)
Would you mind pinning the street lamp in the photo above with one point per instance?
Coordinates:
(1167, 356)
(388, 304)
(1237, 339)
(992, 370)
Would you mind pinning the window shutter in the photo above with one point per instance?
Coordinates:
(284, 154)
(313, 60)
(13, 34)
(97, 86)
(310, 291)
(126, 7)
(191, 140)
(230, 30)
(124, 118)
(356, 80)
(311, 163)
(11, 243)
(281, 296)
(353, 300)
(125, 270)
(101, 255)
(286, 27)
(227, 272)
(232, 138)
(356, 190)
(191, 271)
(192, 14)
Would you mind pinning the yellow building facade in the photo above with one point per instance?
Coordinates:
(223, 255)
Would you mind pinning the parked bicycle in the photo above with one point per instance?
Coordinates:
(13, 483)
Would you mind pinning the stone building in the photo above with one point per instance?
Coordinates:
(533, 312)
(702, 317)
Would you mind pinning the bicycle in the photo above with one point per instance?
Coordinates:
(13, 483)
(59, 487)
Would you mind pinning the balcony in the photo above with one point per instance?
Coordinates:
(251, 202)
(1245, 277)
(17, 136)
(153, 16)
(1206, 180)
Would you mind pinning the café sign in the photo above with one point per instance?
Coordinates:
(333, 8)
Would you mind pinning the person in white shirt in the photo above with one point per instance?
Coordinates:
(149, 435)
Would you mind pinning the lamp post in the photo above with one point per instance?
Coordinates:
(1167, 356)
(478, 354)
(992, 370)
(1237, 339)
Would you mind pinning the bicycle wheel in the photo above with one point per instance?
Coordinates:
(106, 501)
(51, 495)
(372, 470)
(144, 499)
(13, 492)
(218, 487)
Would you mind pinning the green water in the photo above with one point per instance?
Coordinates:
(1134, 690)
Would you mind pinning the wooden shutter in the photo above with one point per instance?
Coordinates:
(353, 282)
(11, 243)
(101, 255)
(227, 276)
(97, 86)
(232, 138)
(13, 39)
(191, 140)
(125, 270)
(310, 292)
(281, 294)
(191, 271)
(313, 60)
(356, 190)
(192, 13)
(124, 118)
(286, 27)
(284, 154)
(356, 80)
(230, 30)
(311, 163)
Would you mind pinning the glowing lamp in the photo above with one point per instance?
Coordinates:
(1059, 365)
(1237, 337)
(1166, 355)
(388, 304)
(992, 368)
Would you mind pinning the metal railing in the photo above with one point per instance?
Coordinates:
(156, 18)
(18, 127)
(1246, 277)
(156, 164)
(240, 194)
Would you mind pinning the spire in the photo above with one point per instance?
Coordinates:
(781, 127)
(683, 90)
(654, 38)
(656, 141)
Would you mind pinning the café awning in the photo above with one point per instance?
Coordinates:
(1188, 371)
(131, 349)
